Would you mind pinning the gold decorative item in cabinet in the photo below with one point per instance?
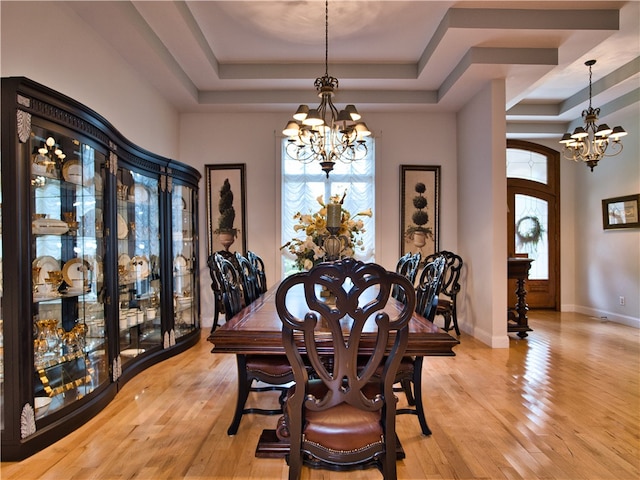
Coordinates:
(35, 276)
(70, 219)
(54, 279)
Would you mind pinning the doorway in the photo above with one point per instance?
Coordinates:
(533, 222)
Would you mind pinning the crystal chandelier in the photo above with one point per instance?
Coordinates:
(589, 143)
(323, 134)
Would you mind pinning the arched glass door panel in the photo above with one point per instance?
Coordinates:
(531, 232)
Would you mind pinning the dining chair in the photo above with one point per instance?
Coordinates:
(447, 300)
(410, 371)
(248, 278)
(408, 265)
(345, 416)
(258, 267)
(216, 287)
(273, 370)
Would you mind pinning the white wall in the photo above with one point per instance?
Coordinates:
(48, 43)
(482, 214)
(608, 261)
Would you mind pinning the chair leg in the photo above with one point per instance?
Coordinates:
(417, 392)
(243, 394)
(447, 320)
(216, 315)
(406, 388)
(454, 315)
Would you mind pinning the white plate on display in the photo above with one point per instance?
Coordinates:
(49, 226)
(74, 272)
(123, 229)
(140, 265)
(132, 352)
(180, 262)
(72, 172)
(46, 264)
(124, 260)
(141, 193)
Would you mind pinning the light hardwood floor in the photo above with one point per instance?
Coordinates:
(561, 404)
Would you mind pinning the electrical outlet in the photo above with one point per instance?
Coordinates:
(621, 300)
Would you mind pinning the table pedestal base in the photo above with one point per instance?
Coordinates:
(270, 446)
(517, 320)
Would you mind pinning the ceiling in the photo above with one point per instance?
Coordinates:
(420, 55)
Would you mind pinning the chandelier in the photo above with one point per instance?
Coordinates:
(325, 134)
(589, 143)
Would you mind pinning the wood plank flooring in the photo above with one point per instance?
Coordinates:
(560, 404)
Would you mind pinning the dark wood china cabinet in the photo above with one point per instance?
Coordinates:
(98, 264)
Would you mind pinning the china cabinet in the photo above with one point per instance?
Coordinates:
(99, 247)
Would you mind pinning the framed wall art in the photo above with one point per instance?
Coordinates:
(226, 207)
(419, 208)
(621, 212)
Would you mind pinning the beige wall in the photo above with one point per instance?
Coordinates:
(48, 43)
(222, 138)
(482, 193)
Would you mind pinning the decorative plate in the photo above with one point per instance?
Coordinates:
(140, 265)
(75, 269)
(72, 171)
(132, 352)
(49, 226)
(123, 229)
(46, 264)
(125, 260)
(180, 262)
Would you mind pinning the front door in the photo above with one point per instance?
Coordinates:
(533, 219)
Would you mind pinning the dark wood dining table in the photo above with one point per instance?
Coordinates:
(257, 329)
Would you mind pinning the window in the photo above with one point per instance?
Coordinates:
(527, 165)
(303, 183)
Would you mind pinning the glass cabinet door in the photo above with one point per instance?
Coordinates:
(138, 232)
(69, 343)
(184, 286)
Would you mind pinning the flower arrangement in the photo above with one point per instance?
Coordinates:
(309, 251)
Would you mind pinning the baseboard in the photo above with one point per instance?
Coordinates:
(604, 315)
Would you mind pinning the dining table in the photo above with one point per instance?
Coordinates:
(257, 329)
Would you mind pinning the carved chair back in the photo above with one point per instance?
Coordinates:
(231, 287)
(320, 412)
(447, 303)
(248, 279)
(216, 286)
(429, 287)
(407, 266)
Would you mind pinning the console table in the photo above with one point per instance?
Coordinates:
(517, 320)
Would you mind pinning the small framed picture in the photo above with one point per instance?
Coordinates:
(621, 212)
(226, 199)
(419, 208)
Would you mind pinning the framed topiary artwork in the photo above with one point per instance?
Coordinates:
(226, 207)
(419, 208)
